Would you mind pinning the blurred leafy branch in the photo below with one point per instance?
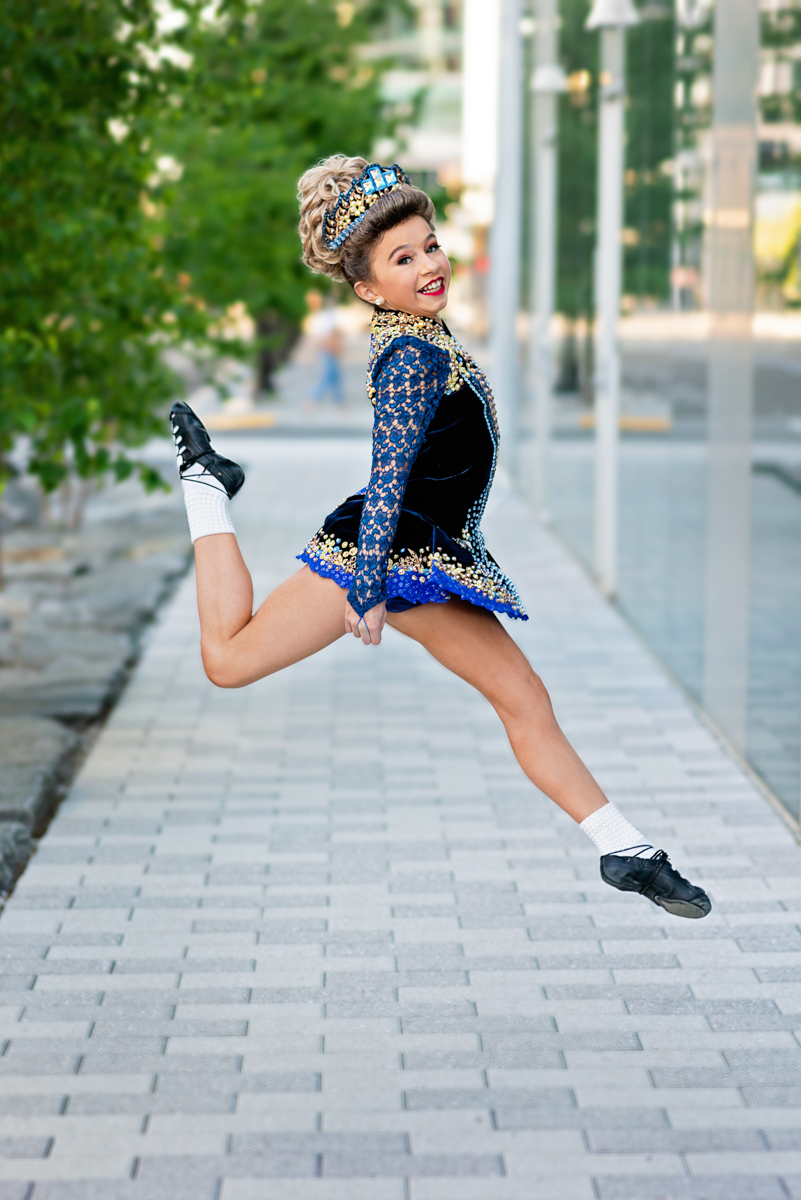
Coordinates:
(273, 87)
(104, 259)
(85, 304)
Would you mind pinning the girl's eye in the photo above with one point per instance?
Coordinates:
(433, 246)
(405, 258)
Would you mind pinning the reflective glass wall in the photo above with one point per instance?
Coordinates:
(710, 333)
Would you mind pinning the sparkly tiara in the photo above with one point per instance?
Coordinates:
(349, 211)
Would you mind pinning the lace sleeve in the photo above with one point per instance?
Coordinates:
(409, 378)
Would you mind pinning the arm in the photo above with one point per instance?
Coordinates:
(410, 378)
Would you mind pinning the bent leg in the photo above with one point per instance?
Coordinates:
(304, 614)
(472, 643)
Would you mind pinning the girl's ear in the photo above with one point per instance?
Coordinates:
(366, 293)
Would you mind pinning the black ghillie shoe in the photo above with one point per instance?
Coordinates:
(658, 880)
(194, 446)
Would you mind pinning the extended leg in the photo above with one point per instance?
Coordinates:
(473, 644)
(303, 615)
(300, 617)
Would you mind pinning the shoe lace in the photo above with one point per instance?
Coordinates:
(657, 863)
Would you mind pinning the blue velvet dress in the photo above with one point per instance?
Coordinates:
(413, 535)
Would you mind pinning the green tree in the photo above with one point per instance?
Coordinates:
(650, 144)
(85, 306)
(648, 195)
(272, 88)
(577, 153)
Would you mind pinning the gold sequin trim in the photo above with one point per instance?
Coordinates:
(487, 581)
(386, 326)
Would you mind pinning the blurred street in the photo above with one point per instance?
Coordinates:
(319, 938)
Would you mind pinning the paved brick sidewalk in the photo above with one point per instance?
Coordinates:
(320, 940)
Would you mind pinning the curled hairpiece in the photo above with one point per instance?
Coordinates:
(349, 211)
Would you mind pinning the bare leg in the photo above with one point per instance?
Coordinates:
(304, 614)
(472, 643)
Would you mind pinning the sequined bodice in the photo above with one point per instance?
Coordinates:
(434, 443)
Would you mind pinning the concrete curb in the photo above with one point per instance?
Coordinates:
(70, 635)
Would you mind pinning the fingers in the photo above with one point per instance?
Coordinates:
(369, 632)
(367, 628)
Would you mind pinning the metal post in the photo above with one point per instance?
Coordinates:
(505, 236)
(547, 82)
(611, 17)
(729, 269)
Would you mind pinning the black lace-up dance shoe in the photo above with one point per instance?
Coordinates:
(658, 880)
(194, 446)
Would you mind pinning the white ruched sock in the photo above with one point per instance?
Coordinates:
(613, 834)
(206, 503)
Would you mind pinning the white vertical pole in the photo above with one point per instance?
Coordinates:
(480, 63)
(729, 284)
(611, 16)
(504, 291)
(607, 384)
(546, 83)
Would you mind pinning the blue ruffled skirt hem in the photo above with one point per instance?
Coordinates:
(436, 587)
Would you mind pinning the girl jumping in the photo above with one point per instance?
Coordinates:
(407, 550)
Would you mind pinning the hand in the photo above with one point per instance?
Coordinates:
(368, 627)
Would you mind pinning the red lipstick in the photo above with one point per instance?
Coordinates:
(435, 288)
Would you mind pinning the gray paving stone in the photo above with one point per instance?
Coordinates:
(76, 1006)
(35, 1061)
(639, 1120)
(710, 1187)
(508, 1043)
(468, 1022)
(176, 1101)
(221, 995)
(114, 1189)
(344, 1166)
(757, 1096)
(173, 1079)
(421, 1099)
(24, 1105)
(25, 1147)
(370, 1144)
(178, 1170)
(679, 1141)
(543, 1057)
(144, 1026)
(783, 1139)
(183, 966)
(606, 962)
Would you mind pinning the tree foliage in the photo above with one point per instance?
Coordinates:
(650, 146)
(273, 87)
(578, 132)
(97, 239)
(84, 303)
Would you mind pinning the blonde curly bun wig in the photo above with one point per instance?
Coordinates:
(318, 190)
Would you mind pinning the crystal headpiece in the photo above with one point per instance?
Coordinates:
(348, 212)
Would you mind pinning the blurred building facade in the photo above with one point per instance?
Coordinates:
(709, 528)
(424, 87)
(709, 565)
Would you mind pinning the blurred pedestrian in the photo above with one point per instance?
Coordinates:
(323, 327)
(406, 551)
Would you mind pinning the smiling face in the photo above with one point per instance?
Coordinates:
(410, 271)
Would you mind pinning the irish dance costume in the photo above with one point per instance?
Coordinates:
(413, 536)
